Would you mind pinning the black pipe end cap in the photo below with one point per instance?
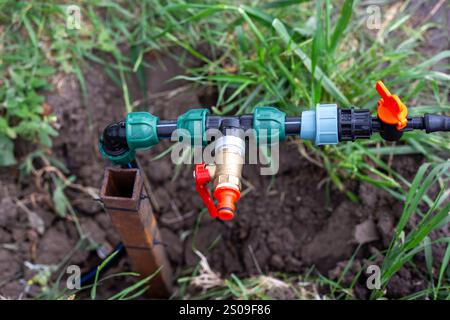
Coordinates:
(114, 140)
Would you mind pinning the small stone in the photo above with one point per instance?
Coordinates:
(8, 212)
(276, 261)
(366, 232)
(36, 222)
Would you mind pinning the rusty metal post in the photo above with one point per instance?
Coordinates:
(126, 200)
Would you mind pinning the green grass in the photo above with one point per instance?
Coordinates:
(56, 290)
(409, 241)
(290, 54)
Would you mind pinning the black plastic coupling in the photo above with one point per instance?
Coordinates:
(389, 132)
(429, 122)
(434, 122)
(222, 123)
(354, 124)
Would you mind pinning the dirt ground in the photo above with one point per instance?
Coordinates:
(284, 224)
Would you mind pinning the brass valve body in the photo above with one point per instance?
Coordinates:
(228, 168)
(229, 159)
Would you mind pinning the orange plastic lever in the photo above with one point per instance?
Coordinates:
(391, 109)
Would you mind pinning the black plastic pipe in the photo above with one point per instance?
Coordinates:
(352, 124)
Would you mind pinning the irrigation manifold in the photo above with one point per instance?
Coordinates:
(326, 125)
(125, 190)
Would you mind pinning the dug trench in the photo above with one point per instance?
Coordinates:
(285, 223)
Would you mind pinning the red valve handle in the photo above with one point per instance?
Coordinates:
(202, 177)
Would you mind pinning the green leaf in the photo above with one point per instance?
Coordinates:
(45, 71)
(252, 26)
(283, 3)
(97, 274)
(127, 293)
(428, 256)
(342, 24)
(231, 78)
(444, 264)
(319, 75)
(59, 199)
(7, 151)
(241, 38)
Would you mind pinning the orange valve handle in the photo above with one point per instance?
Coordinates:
(391, 109)
(202, 177)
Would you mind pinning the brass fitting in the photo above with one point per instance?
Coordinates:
(227, 173)
(229, 158)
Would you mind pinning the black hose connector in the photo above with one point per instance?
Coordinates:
(359, 124)
(354, 124)
(435, 123)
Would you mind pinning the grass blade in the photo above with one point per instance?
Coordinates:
(342, 24)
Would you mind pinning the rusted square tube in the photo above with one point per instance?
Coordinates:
(125, 198)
